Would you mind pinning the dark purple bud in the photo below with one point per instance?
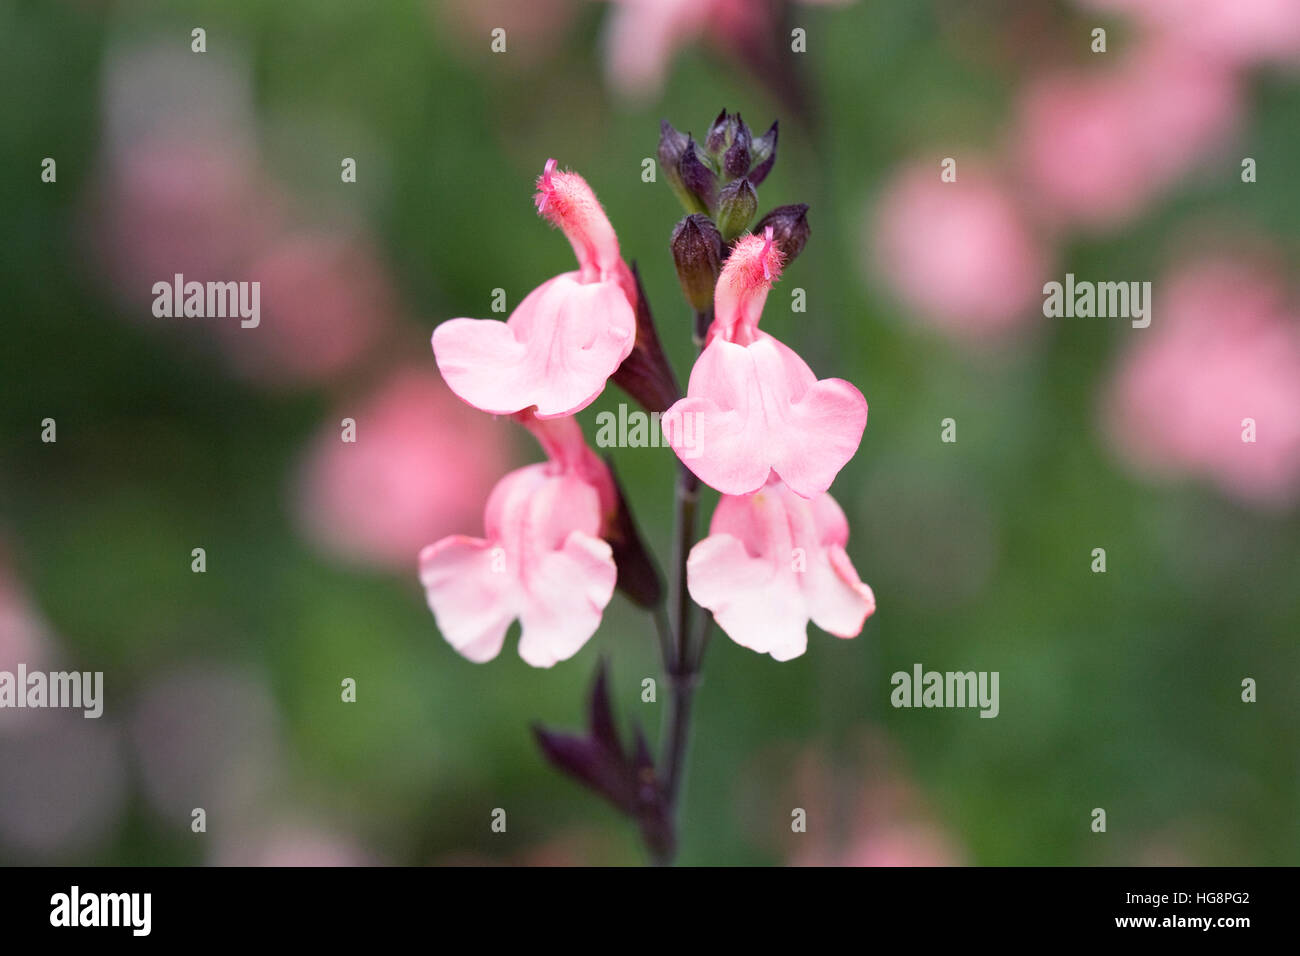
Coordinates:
(596, 759)
(600, 715)
(728, 146)
(697, 253)
(764, 156)
(716, 142)
(789, 229)
(737, 159)
(652, 804)
(591, 764)
(673, 146)
(737, 204)
(698, 180)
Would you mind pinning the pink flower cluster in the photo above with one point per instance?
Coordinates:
(1238, 32)
(756, 424)
(642, 37)
(180, 194)
(771, 437)
(543, 559)
(963, 255)
(378, 500)
(1086, 149)
(1214, 390)
(185, 189)
(1095, 148)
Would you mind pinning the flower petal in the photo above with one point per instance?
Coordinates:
(753, 599)
(773, 561)
(568, 592)
(469, 595)
(568, 202)
(837, 600)
(758, 408)
(554, 352)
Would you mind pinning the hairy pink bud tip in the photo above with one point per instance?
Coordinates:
(545, 188)
(766, 254)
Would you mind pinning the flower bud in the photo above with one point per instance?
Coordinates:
(789, 229)
(734, 151)
(671, 146)
(737, 204)
(720, 133)
(728, 145)
(737, 158)
(698, 180)
(626, 777)
(691, 179)
(763, 153)
(697, 253)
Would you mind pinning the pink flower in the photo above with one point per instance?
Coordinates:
(569, 334)
(773, 561)
(901, 845)
(642, 36)
(1238, 31)
(169, 204)
(753, 407)
(961, 254)
(378, 500)
(179, 188)
(1227, 350)
(326, 302)
(542, 559)
(1095, 148)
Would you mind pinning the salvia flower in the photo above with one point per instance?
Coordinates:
(567, 337)
(541, 560)
(753, 407)
(773, 561)
(1214, 391)
(756, 424)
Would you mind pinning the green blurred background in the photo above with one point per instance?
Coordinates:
(1119, 690)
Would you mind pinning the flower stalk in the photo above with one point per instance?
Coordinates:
(560, 537)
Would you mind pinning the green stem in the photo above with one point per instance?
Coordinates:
(679, 664)
(682, 659)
